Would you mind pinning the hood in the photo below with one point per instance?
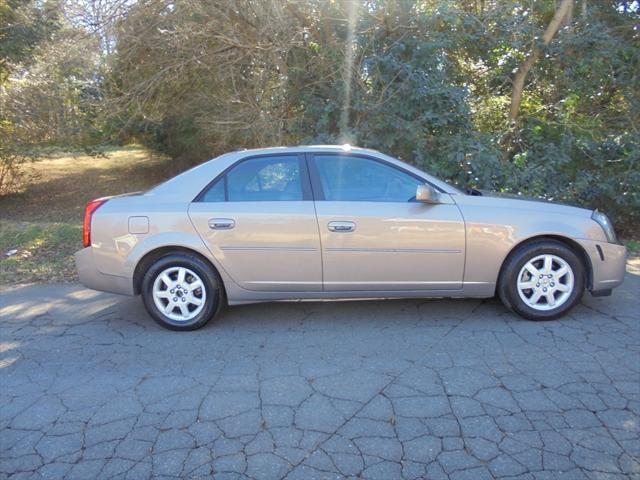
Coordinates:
(515, 196)
(519, 202)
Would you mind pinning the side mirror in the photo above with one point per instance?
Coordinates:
(427, 194)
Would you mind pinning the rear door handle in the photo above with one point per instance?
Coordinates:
(221, 223)
(341, 226)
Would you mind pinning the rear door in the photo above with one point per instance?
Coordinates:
(375, 236)
(259, 222)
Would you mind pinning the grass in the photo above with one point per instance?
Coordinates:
(43, 221)
(44, 251)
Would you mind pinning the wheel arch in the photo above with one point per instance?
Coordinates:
(151, 256)
(568, 242)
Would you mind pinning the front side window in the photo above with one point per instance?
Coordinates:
(346, 178)
(263, 179)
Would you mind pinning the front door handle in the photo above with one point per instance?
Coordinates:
(341, 226)
(221, 223)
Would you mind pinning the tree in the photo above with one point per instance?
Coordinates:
(23, 25)
(560, 17)
(99, 18)
(48, 84)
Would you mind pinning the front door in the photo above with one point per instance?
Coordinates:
(375, 236)
(259, 222)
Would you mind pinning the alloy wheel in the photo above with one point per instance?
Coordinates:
(545, 282)
(179, 293)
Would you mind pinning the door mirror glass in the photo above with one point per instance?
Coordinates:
(427, 194)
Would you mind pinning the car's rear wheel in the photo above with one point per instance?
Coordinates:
(181, 292)
(542, 280)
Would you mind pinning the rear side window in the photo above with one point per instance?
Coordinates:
(215, 193)
(356, 179)
(261, 179)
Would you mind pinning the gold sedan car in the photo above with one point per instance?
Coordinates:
(329, 222)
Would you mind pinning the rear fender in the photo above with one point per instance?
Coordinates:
(182, 241)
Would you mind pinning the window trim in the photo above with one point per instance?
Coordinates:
(222, 176)
(316, 183)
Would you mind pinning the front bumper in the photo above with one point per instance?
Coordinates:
(608, 265)
(92, 278)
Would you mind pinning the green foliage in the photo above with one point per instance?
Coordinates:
(13, 158)
(23, 25)
(633, 246)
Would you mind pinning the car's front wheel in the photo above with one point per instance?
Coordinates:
(181, 292)
(542, 280)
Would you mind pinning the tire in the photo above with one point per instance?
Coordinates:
(163, 286)
(550, 295)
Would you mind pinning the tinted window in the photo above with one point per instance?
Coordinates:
(215, 193)
(357, 179)
(264, 179)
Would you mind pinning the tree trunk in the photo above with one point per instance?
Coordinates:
(565, 9)
(568, 18)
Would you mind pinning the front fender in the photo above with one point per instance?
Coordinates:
(494, 227)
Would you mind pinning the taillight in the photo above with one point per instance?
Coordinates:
(91, 207)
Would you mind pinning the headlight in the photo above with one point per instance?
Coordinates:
(606, 225)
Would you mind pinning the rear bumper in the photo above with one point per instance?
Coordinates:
(608, 262)
(92, 278)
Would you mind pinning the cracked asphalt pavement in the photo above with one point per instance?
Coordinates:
(92, 388)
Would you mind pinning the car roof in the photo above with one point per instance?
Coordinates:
(309, 148)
